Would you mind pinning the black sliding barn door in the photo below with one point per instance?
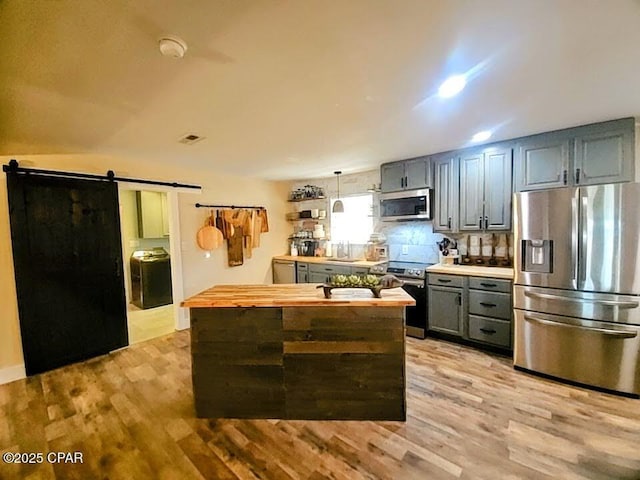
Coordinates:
(68, 268)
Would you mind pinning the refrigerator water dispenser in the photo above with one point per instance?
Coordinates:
(537, 256)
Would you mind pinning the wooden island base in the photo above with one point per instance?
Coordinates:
(337, 360)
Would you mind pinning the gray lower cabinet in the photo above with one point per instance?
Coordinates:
(302, 272)
(446, 184)
(446, 304)
(490, 312)
(322, 272)
(587, 155)
(477, 309)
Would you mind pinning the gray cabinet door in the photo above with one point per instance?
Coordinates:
(446, 184)
(542, 162)
(497, 188)
(445, 310)
(392, 177)
(315, 277)
(471, 191)
(417, 173)
(604, 157)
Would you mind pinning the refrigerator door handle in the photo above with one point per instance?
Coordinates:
(607, 303)
(575, 231)
(583, 241)
(604, 331)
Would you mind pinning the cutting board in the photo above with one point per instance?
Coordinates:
(209, 237)
(235, 255)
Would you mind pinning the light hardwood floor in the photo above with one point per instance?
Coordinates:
(471, 416)
(144, 325)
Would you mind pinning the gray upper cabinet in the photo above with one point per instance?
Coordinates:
(471, 191)
(498, 187)
(605, 155)
(392, 177)
(588, 155)
(542, 162)
(446, 184)
(485, 189)
(411, 174)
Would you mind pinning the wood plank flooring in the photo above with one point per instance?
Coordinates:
(470, 416)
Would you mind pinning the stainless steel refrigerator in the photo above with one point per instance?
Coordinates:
(577, 284)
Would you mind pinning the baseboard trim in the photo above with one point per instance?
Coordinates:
(11, 374)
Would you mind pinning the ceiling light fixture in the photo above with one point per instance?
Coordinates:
(481, 136)
(338, 206)
(452, 86)
(171, 46)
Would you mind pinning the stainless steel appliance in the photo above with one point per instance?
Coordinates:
(413, 275)
(407, 205)
(284, 271)
(150, 278)
(577, 285)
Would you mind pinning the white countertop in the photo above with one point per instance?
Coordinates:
(473, 271)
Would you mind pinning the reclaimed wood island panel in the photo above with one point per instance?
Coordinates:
(285, 351)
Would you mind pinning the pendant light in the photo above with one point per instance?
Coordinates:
(338, 206)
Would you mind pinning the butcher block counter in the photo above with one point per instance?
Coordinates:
(329, 260)
(473, 271)
(285, 351)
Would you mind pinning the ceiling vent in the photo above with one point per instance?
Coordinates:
(190, 139)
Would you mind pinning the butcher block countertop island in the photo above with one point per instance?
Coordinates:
(285, 351)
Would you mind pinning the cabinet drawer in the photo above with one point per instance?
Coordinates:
(490, 304)
(446, 280)
(488, 330)
(492, 284)
(330, 269)
(359, 270)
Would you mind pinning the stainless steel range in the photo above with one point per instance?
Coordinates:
(413, 275)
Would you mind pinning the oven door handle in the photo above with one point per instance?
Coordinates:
(413, 283)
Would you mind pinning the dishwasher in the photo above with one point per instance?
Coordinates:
(284, 271)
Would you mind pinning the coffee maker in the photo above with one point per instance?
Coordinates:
(307, 248)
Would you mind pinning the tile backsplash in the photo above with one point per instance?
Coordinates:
(416, 242)
(410, 241)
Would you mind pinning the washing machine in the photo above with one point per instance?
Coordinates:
(151, 278)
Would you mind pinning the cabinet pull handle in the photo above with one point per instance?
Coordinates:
(491, 285)
(444, 280)
(486, 223)
(402, 182)
(480, 223)
(449, 223)
(459, 299)
(488, 331)
(564, 177)
(577, 175)
(485, 304)
(406, 181)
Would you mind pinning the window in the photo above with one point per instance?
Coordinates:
(355, 224)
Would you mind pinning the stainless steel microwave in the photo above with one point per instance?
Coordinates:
(407, 205)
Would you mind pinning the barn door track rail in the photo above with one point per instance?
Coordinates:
(13, 167)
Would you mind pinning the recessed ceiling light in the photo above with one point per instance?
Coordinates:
(452, 86)
(481, 136)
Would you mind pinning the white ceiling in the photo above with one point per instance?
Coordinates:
(296, 89)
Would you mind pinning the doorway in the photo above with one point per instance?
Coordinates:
(151, 261)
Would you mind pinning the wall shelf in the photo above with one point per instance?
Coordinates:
(295, 200)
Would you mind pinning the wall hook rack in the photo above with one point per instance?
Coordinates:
(207, 205)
